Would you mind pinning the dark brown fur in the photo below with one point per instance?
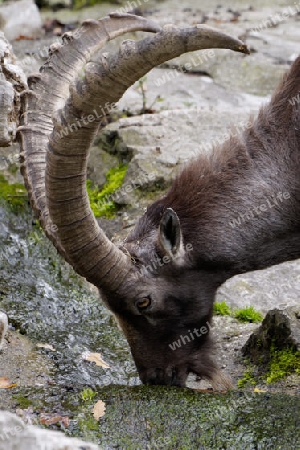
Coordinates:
(210, 193)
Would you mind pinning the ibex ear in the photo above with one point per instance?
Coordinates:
(170, 236)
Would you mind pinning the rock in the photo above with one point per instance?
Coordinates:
(3, 327)
(168, 89)
(191, 117)
(158, 145)
(275, 287)
(31, 55)
(281, 328)
(15, 434)
(9, 163)
(12, 82)
(20, 18)
(99, 164)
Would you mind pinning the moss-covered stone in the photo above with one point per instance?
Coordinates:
(22, 401)
(157, 417)
(283, 363)
(102, 203)
(247, 379)
(14, 194)
(274, 347)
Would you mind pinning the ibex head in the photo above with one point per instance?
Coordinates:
(154, 283)
(163, 305)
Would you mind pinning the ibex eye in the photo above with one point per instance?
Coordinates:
(143, 303)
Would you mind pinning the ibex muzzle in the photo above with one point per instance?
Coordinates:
(161, 282)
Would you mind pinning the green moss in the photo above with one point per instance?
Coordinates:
(283, 362)
(247, 379)
(248, 314)
(87, 394)
(14, 194)
(222, 309)
(101, 202)
(23, 402)
(13, 168)
(88, 426)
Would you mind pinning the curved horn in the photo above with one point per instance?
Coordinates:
(48, 91)
(80, 239)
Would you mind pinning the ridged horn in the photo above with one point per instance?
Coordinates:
(78, 235)
(48, 91)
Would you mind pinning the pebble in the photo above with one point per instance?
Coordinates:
(3, 327)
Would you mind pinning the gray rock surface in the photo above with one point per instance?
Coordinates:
(20, 18)
(16, 435)
(158, 145)
(275, 287)
(12, 82)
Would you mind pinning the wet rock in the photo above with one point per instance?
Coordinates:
(160, 417)
(14, 434)
(24, 364)
(275, 287)
(21, 18)
(281, 328)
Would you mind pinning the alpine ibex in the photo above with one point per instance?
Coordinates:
(155, 306)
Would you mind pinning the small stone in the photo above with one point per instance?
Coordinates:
(16, 434)
(21, 18)
(280, 327)
(3, 327)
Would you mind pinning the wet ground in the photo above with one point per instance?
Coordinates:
(56, 317)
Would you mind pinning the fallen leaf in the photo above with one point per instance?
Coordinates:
(52, 419)
(47, 346)
(96, 358)
(24, 38)
(99, 409)
(6, 384)
(48, 419)
(259, 390)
